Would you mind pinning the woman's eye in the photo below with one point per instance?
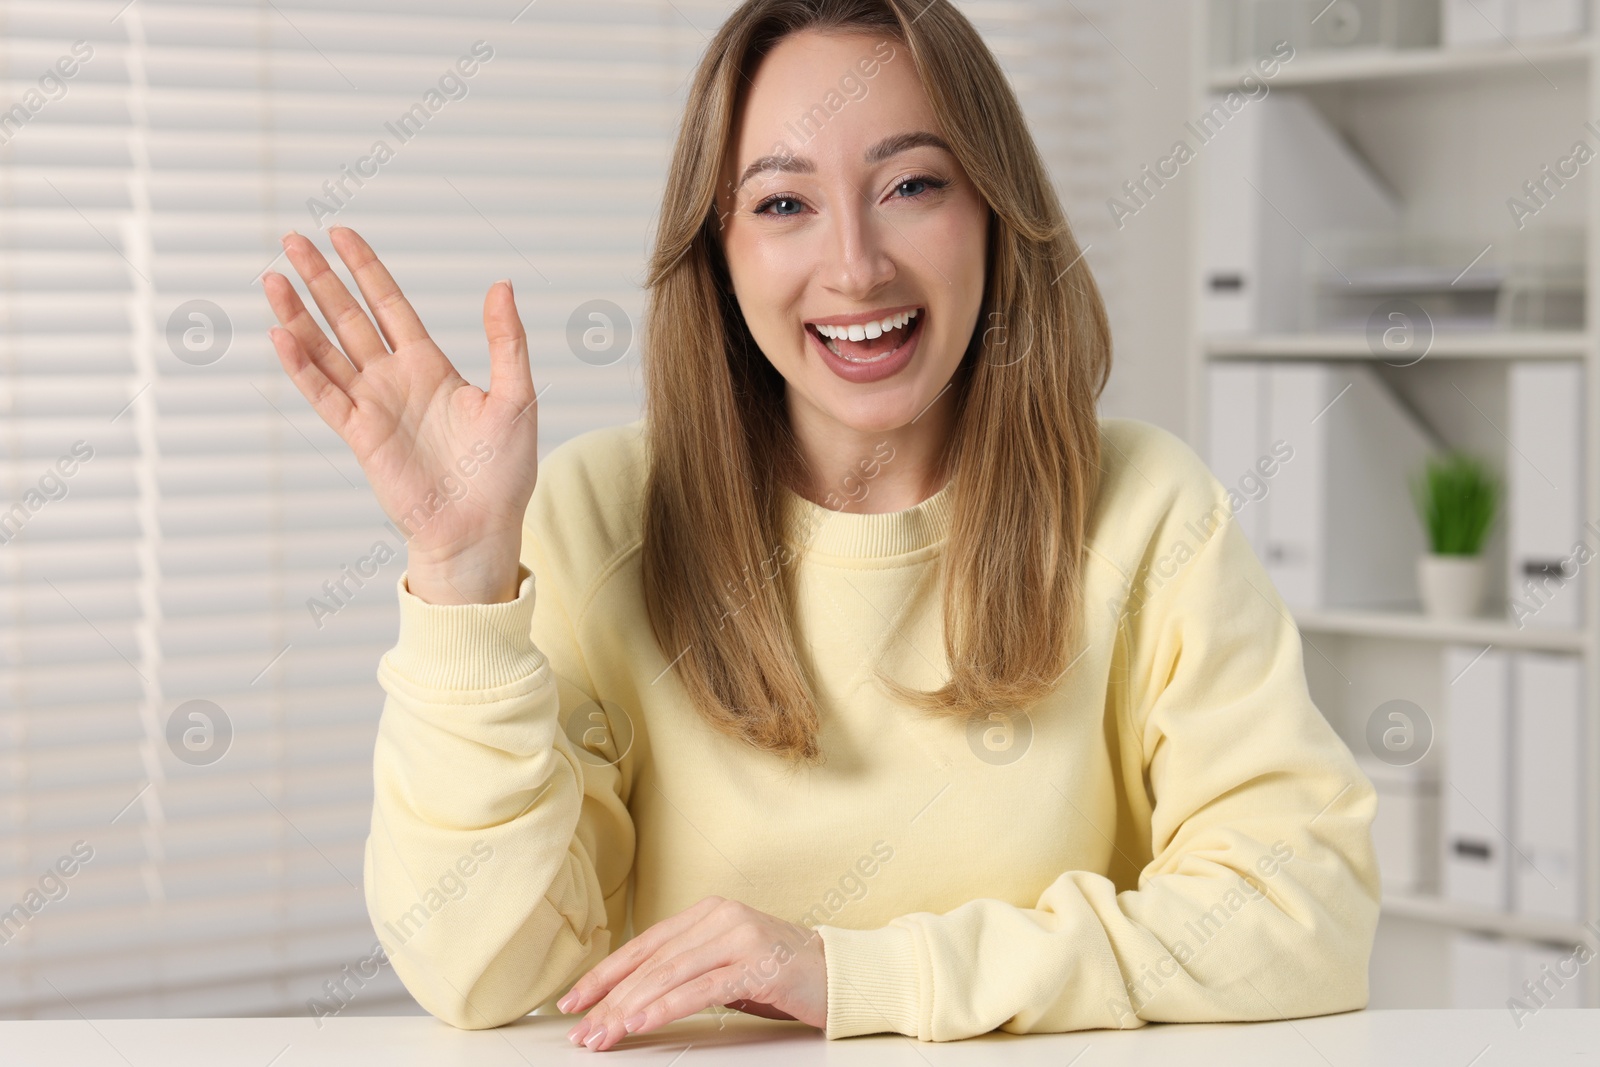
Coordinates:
(922, 186)
(762, 208)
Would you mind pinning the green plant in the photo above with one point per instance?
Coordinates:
(1456, 498)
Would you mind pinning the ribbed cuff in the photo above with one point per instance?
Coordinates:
(874, 981)
(465, 646)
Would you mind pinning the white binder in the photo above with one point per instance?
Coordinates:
(1475, 865)
(1239, 435)
(1483, 970)
(1405, 830)
(1545, 979)
(1336, 527)
(1547, 806)
(1477, 22)
(1548, 18)
(1276, 174)
(1544, 493)
(1491, 972)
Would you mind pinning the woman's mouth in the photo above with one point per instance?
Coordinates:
(869, 351)
(871, 341)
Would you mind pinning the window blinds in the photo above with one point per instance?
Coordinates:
(191, 607)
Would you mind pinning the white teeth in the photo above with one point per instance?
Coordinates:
(867, 331)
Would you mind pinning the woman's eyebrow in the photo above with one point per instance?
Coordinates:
(784, 163)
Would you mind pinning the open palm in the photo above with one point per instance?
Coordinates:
(453, 466)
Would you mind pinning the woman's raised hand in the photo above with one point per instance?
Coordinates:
(452, 466)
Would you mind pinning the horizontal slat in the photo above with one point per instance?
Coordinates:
(111, 670)
(331, 821)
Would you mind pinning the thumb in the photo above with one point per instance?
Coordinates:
(510, 378)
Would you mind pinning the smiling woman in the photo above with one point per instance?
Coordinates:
(677, 682)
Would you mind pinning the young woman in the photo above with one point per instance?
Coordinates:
(871, 680)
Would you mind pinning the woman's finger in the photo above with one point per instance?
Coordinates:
(714, 987)
(396, 317)
(684, 962)
(329, 401)
(356, 334)
(510, 378)
(293, 316)
(609, 971)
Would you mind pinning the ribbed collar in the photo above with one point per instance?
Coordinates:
(867, 536)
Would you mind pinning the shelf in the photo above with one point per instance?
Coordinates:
(1462, 916)
(1379, 65)
(1549, 344)
(1417, 627)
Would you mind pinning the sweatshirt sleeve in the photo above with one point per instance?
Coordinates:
(1260, 900)
(499, 852)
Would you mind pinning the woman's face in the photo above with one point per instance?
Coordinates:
(841, 207)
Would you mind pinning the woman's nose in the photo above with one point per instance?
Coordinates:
(858, 258)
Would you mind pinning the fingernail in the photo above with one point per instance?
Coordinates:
(595, 1038)
(575, 1035)
(633, 1022)
(505, 282)
(565, 1003)
(284, 240)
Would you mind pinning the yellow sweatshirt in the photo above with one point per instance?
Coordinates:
(1175, 834)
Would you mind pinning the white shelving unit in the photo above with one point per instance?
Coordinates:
(1455, 132)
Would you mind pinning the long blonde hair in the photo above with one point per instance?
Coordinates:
(1025, 450)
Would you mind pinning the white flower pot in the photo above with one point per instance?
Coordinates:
(1451, 586)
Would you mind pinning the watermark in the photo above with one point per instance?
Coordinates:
(1544, 581)
(1399, 327)
(999, 323)
(51, 486)
(50, 86)
(341, 992)
(599, 332)
(451, 85)
(601, 732)
(1138, 193)
(1539, 992)
(852, 885)
(199, 332)
(52, 887)
(810, 122)
(851, 89)
(199, 732)
(740, 594)
(451, 885)
(1541, 189)
(1253, 486)
(1399, 733)
(1204, 929)
(854, 483)
(339, 592)
(1002, 738)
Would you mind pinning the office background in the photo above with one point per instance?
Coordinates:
(198, 585)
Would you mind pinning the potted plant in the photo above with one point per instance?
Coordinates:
(1456, 496)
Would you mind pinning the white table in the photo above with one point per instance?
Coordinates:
(1403, 1038)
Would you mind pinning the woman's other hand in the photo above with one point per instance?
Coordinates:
(716, 952)
(452, 466)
